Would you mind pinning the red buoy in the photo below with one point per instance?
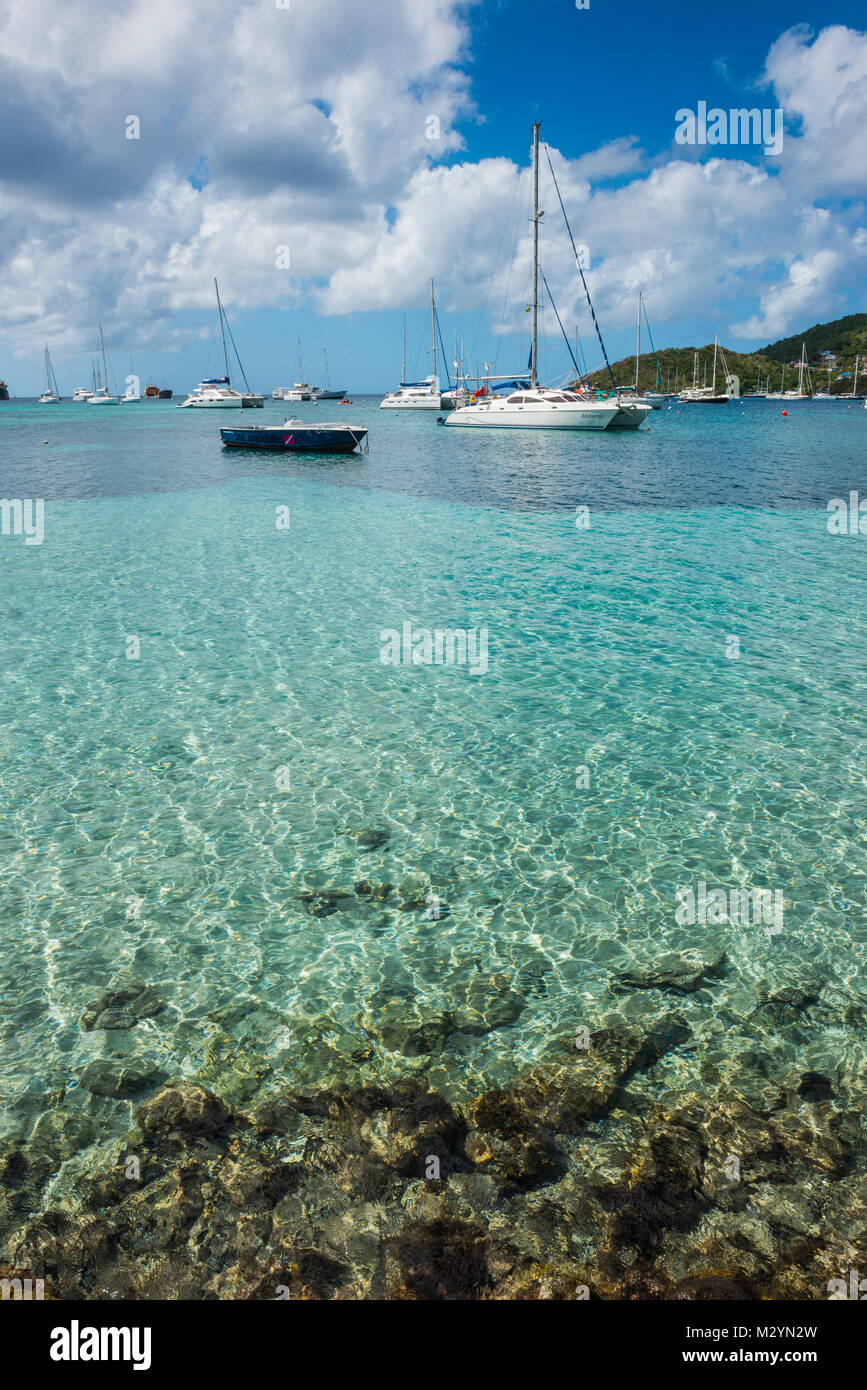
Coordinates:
(785, 412)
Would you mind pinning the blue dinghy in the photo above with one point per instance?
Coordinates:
(296, 436)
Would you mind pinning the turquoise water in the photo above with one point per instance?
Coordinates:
(166, 815)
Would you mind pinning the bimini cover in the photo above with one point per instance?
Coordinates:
(509, 386)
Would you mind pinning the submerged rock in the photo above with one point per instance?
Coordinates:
(443, 1260)
(413, 891)
(124, 1004)
(509, 1144)
(118, 1079)
(324, 902)
(372, 888)
(370, 838)
(681, 971)
(182, 1113)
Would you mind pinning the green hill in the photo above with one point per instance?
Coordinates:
(846, 337)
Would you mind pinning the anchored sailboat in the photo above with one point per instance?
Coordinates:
(51, 395)
(803, 377)
(417, 395)
(216, 393)
(527, 404)
(708, 395)
(100, 394)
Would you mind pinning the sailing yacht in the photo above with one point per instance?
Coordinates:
(705, 395)
(217, 393)
(529, 405)
(655, 399)
(803, 372)
(417, 395)
(131, 395)
(301, 391)
(51, 395)
(100, 394)
(327, 393)
(414, 395)
(853, 394)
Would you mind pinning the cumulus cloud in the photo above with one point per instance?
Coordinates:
(249, 143)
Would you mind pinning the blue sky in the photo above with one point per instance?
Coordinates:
(316, 137)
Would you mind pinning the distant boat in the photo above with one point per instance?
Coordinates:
(655, 399)
(152, 392)
(328, 394)
(803, 373)
(216, 393)
(81, 393)
(165, 393)
(414, 395)
(296, 436)
(4, 391)
(853, 394)
(704, 395)
(417, 395)
(100, 395)
(213, 394)
(51, 395)
(131, 396)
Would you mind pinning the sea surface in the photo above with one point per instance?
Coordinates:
(203, 755)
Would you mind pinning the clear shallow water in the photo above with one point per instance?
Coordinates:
(143, 827)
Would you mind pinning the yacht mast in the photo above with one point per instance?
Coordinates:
(713, 384)
(104, 367)
(534, 372)
(637, 342)
(222, 328)
(403, 359)
(433, 329)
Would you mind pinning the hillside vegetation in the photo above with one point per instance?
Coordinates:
(846, 337)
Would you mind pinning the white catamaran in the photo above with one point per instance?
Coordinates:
(217, 393)
(417, 395)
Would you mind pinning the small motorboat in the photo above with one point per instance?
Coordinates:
(296, 436)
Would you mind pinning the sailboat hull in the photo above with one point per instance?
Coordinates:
(211, 402)
(412, 405)
(503, 417)
(630, 416)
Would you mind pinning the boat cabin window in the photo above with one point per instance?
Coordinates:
(515, 400)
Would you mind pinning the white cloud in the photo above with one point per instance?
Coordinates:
(334, 160)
